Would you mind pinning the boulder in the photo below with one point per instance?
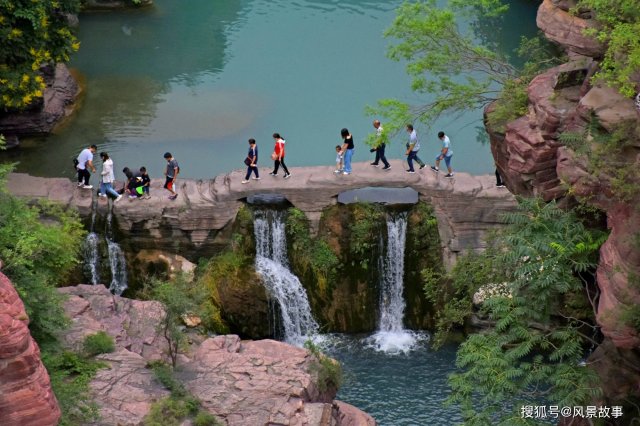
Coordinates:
(59, 97)
(26, 397)
(568, 30)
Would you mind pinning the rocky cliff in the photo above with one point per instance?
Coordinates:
(534, 162)
(241, 382)
(26, 398)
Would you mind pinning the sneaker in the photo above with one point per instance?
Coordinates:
(102, 195)
(287, 175)
(245, 181)
(273, 174)
(255, 178)
(118, 199)
(500, 186)
(449, 175)
(173, 197)
(422, 166)
(410, 171)
(132, 197)
(337, 171)
(435, 169)
(374, 164)
(346, 173)
(87, 186)
(80, 184)
(386, 168)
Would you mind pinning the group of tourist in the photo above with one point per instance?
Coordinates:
(344, 154)
(137, 183)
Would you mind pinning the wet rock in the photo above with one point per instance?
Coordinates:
(26, 397)
(113, 4)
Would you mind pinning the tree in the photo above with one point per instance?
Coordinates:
(450, 67)
(534, 352)
(619, 31)
(32, 34)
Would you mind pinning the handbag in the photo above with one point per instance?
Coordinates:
(247, 161)
(274, 156)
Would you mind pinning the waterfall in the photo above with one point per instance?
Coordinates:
(92, 258)
(117, 261)
(282, 284)
(90, 251)
(391, 336)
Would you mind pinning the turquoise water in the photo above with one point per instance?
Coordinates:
(396, 389)
(200, 78)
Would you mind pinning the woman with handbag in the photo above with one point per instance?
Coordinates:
(251, 161)
(278, 156)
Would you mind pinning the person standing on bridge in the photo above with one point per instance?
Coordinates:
(278, 156)
(445, 154)
(107, 178)
(83, 163)
(252, 161)
(380, 146)
(171, 175)
(347, 150)
(413, 146)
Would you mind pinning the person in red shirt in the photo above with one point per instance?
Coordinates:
(278, 156)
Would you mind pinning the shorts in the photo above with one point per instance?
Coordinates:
(168, 184)
(447, 159)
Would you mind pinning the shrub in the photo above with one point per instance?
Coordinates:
(205, 419)
(327, 371)
(98, 343)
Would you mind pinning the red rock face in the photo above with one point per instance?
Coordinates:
(26, 398)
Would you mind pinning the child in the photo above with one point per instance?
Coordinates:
(339, 159)
(146, 183)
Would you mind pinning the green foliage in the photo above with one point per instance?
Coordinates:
(98, 343)
(173, 410)
(33, 34)
(450, 67)
(70, 376)
(310, 254)
(512, 104)
(534, 351)
(39, 246)
(180, 298)
(365, 229)
(630, 316)
(619, 31)
(607, 155)
(327, 371)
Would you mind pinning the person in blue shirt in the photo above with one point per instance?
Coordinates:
(445, 154)
(252, 161)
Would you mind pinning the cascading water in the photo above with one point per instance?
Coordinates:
(117, 261)
(282, 284)
(90, 251)
(391, 336)
(92, 258)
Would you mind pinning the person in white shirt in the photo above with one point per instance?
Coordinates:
(107, 178)
(83, 163)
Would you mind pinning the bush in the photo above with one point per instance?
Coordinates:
(98, 343)
(70, 376)
(205, 419)
(327, 371)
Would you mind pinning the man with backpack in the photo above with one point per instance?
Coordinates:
(83, 163)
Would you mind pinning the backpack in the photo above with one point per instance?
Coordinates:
(75, 163)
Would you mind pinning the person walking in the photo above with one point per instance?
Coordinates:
(85, 162)
(171, 174)
(278, 156)
(413, 146)
(107, 178)
(252, 161)
(347, 150)
(445, 154)
(380, 146)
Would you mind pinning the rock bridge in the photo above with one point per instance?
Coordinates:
(199, 222)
